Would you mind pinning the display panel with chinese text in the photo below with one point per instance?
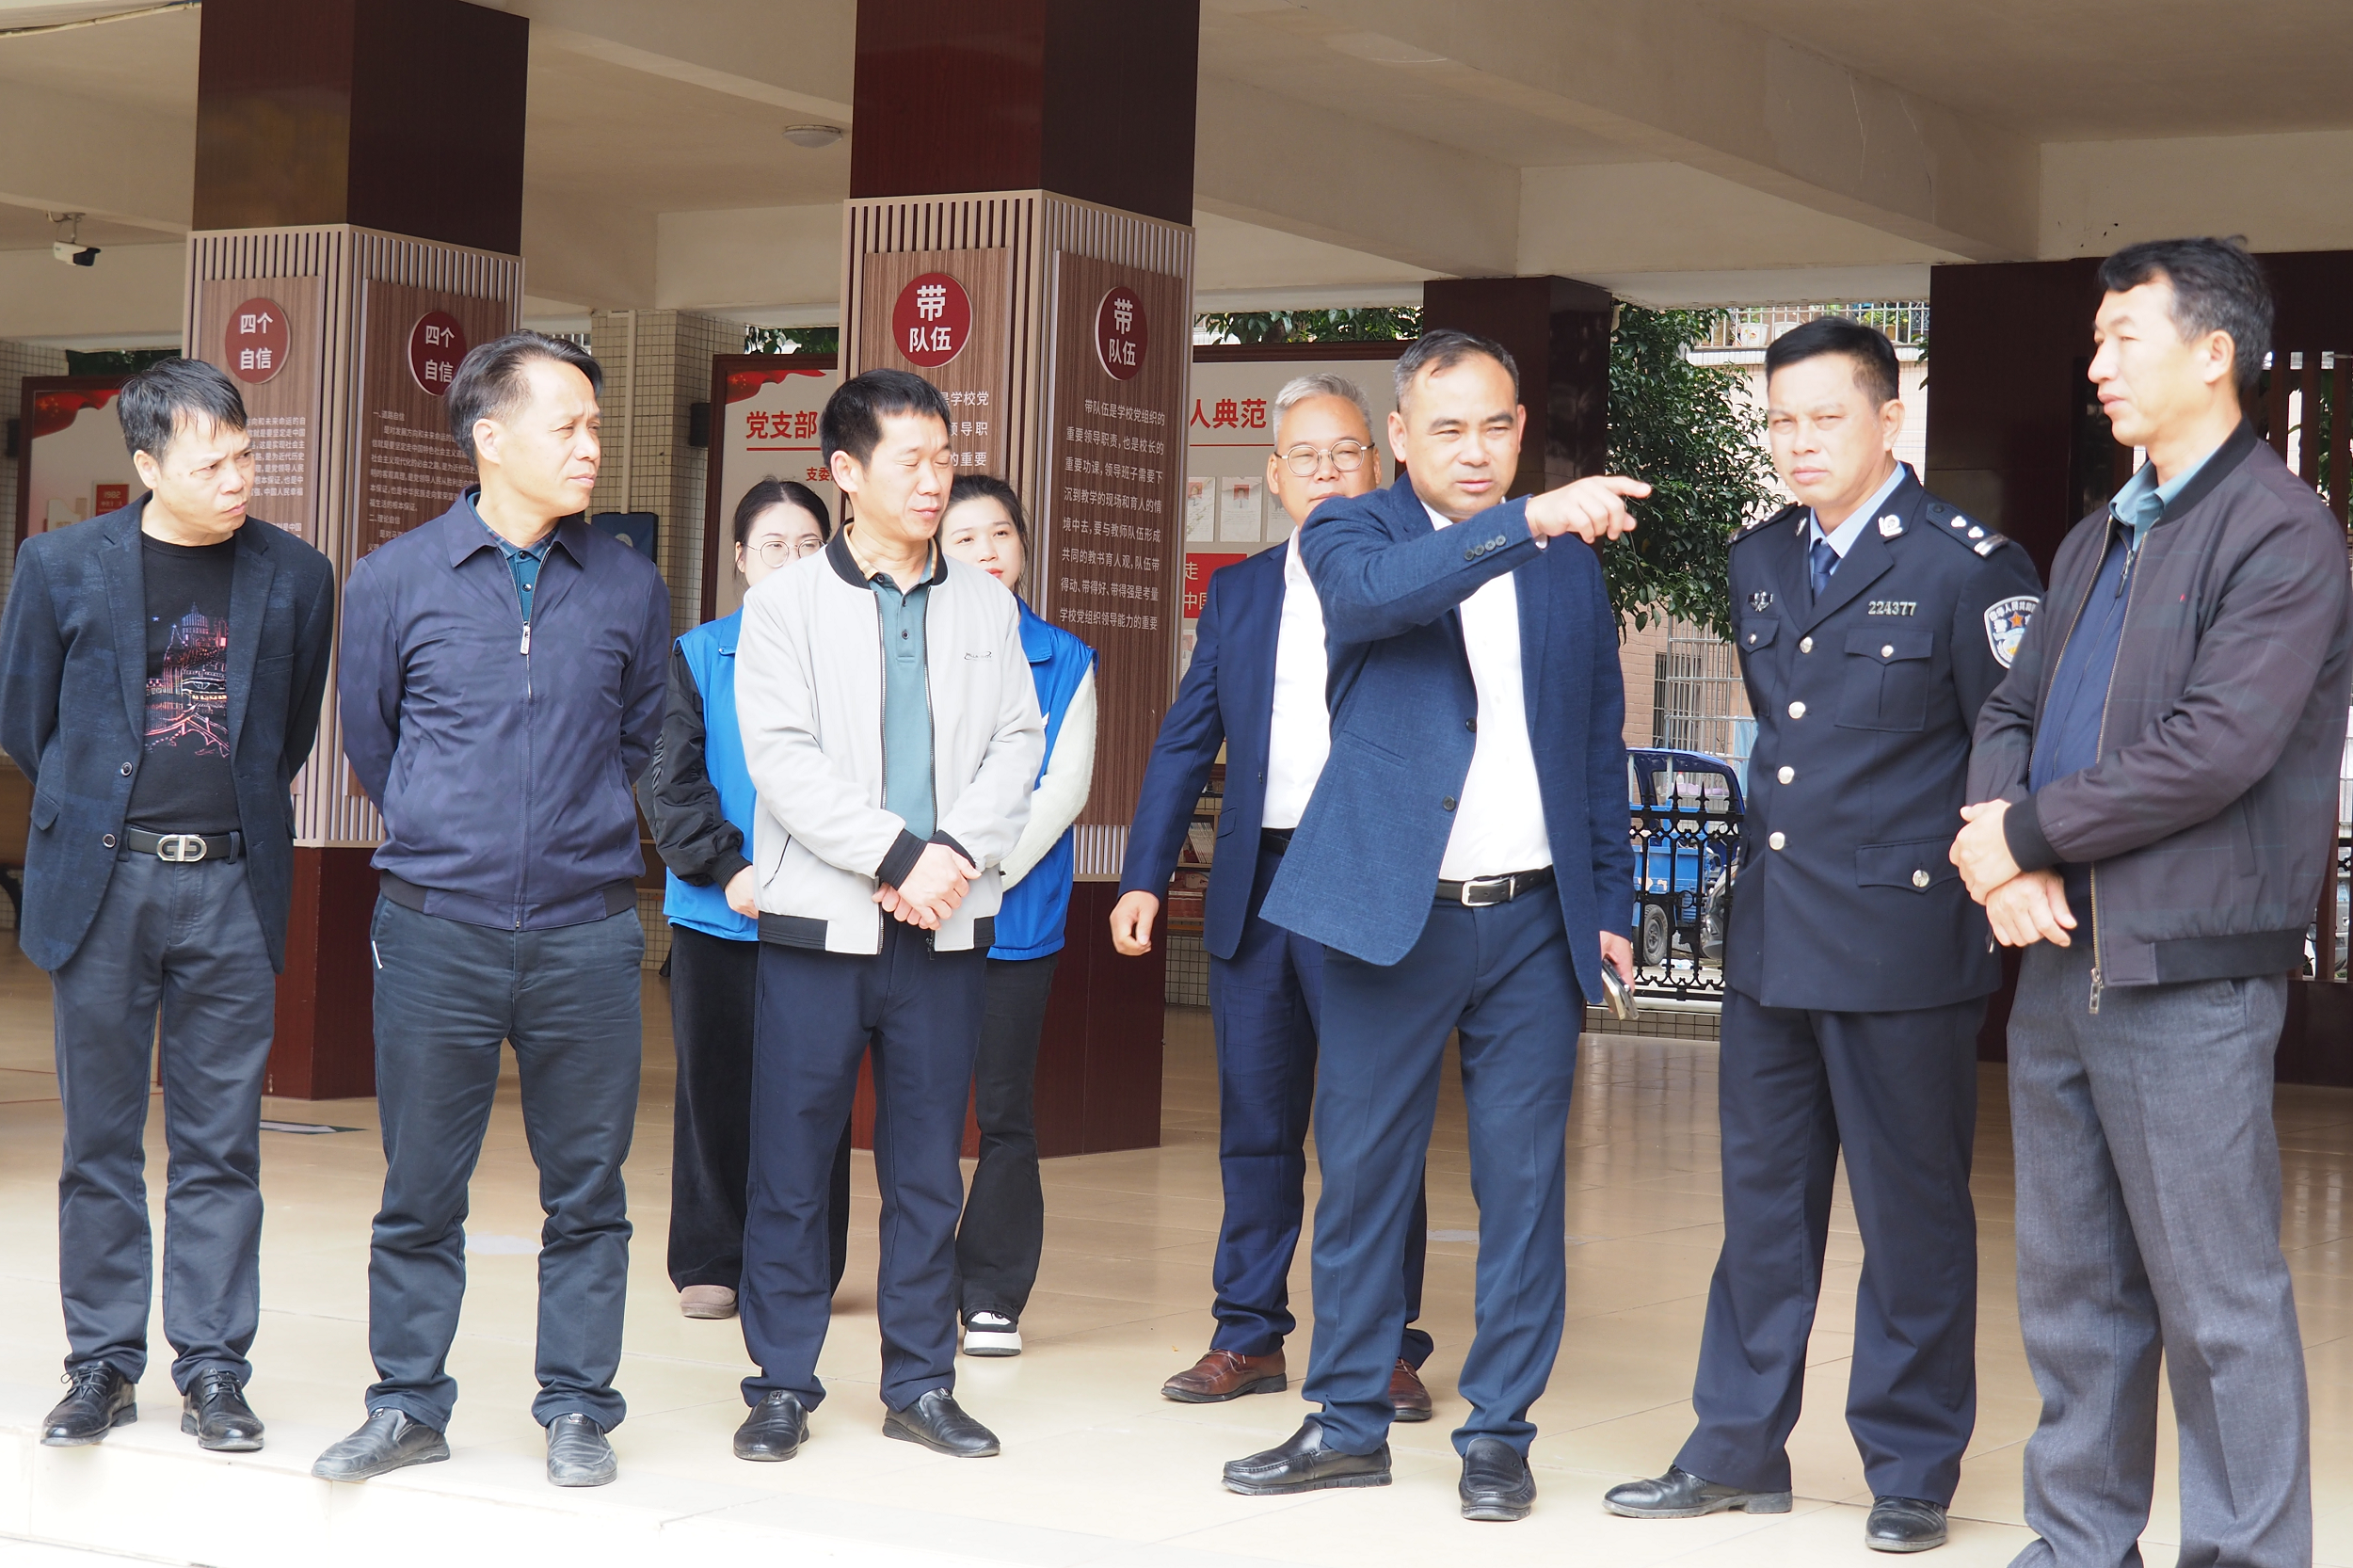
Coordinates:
(947, 315)
(1109, 505)
(269, 334)
(764, 425)
(411, 468)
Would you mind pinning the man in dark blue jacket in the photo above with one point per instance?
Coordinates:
(502, 687)
(1465, 863)
(163, 668)
(1256, 688)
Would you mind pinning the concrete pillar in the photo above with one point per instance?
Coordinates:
(1038, 155)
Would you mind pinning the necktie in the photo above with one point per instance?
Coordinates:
(1824, 560)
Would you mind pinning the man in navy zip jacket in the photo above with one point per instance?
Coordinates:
(503, 682)
(1255, 688)
(1464, 862)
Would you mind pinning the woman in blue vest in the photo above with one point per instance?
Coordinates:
(1004, 1214)
(698, 798)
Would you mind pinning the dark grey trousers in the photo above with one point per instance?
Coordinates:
(446, 995)
(2149, 1223)
(183, 941)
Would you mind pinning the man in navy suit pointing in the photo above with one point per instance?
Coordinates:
(1464, 862)
(1256, 688)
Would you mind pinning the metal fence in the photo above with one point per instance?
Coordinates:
(1904, 321)
(1686, 837)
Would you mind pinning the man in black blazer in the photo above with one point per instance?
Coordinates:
(161, 669)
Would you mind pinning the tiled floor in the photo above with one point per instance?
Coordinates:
(1096, 1467)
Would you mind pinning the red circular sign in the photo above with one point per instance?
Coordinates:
(932, 321)
(255, 339)
(1120, 333)
(436, 343)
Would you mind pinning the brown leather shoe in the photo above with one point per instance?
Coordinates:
(1222, 1375)
(1406, 1392)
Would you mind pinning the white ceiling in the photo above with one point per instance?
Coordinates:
(1672, 150)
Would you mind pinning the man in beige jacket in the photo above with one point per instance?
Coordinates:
(893, 730)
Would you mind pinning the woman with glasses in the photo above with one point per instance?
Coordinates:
(1004, 1212)
(698, 798)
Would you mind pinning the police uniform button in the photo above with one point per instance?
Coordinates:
(1787, 776)
(1805, 645)
(1797, 710)
(1471, 724)
(1751, 639)
(1447, 804)
(108, 841)
(1887, 650)
(1919, 879)
(127, 770)
(1777, 840)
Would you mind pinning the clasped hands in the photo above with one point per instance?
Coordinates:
(1593, 509)
(2024, 907)
(927, 895)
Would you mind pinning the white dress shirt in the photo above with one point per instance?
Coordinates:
(1841, 538)
(1499, 821)
(1301, 738)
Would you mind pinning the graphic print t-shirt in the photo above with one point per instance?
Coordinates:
(185, 785)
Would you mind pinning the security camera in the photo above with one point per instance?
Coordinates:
(70, 250)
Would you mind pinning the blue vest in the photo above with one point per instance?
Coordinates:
(1030, 922)
(709, 653)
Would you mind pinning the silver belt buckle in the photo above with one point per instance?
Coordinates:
(1501, 886)
(181, 849)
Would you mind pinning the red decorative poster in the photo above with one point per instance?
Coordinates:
(111, 498)
(932, 320)
(1121, 333)
(1198, 570)
(254, 340)
(436, 343)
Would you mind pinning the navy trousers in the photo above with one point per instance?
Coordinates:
(1264, 1003)
(182, 944)
(1897, 1093)
(714, 987)
(919, 1013)
(1500, 977)
(446, 994)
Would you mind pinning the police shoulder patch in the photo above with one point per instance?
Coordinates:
(2006, 622)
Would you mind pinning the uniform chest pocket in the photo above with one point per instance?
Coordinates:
(1756, 632)
(1887, 678)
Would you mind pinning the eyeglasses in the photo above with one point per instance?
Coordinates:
(1347, 456)
(776, 553)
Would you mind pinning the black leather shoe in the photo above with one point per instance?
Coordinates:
(97, 1399)
(1681, 1494)
(1904, 1524)
(775, 1429)
(213, 1411)
(388, 1440)
(577, 1454)
(1303, 1463)
(1497, 1485)
(938, 1423)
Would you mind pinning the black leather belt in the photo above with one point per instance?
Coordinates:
(1481, 891)
(183, 849)
(1277, 839)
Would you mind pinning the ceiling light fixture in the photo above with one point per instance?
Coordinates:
(812, 137)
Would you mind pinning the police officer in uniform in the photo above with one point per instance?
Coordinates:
(1874, 620)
